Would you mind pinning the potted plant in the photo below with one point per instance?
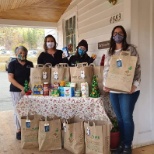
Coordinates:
(115, 134)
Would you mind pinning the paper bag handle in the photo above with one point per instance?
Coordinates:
(82, 64)
(92, 64)
(48, 65)
(39, 65)
(63, 65)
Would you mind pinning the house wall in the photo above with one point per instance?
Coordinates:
(142, 35)
(93, 24)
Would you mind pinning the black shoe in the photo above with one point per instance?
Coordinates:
(127, 150)
(18, 136)
(119, 149)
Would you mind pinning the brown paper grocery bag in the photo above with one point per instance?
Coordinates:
(61, 72)
(29, 135)
(97, 138)
(81, 73)
(121, 78)
(98, 71)
(40, 74)
(50, 138)
(74, 137)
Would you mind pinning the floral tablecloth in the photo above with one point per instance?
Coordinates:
(85, 108)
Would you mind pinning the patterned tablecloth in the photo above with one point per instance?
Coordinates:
(85, 108)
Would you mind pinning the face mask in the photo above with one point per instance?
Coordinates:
(21, 58)
(81, 52)
(50, 45)
(118, 38)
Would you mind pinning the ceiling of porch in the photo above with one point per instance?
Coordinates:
(33, 10)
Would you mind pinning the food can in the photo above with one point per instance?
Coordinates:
(46, 89)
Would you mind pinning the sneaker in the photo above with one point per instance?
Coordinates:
(127, 151)
(18, 135)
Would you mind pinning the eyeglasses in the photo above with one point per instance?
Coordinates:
(120, 33)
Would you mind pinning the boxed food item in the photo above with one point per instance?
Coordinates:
(66, 91)
(84, 89)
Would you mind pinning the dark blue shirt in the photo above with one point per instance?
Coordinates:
(21, 73)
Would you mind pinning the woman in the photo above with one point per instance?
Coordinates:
(18, 72)
(51, 54)
(81, 54)
(123, 103)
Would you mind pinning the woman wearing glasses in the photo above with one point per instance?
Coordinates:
(123, 103)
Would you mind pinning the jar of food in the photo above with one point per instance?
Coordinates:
(46, 89)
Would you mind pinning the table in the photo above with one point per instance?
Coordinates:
(64, 107)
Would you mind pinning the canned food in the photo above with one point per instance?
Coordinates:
(46, 89)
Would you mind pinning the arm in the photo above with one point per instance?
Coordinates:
(40, 59)
(15, 83)
(90, 60)
(105, 71)
(11, 76)
(65, 60)
(137, 74)
(72, 61)
(32, 65)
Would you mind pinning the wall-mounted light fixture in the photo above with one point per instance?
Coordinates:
(113, 1)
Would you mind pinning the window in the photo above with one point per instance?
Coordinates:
(70, 29)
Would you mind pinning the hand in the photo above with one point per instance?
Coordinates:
(23, 91)
(132, 89)
(93, 56)
(63, 55)
(106, 89)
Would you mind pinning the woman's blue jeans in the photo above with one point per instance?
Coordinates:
(123, 106)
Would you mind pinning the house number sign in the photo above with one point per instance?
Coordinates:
(115, 18)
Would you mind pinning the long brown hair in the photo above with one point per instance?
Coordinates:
(113, 43)
(45, 40)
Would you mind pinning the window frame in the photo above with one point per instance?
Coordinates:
(69, 25)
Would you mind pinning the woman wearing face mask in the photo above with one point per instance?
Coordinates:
(81, 54)
(123, 103)
(51, 54)
(18, 72)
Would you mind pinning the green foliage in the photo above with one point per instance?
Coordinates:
(31, 38)
(115, 127)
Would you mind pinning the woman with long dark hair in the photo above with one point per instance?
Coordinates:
(123, 103)
(51, 54)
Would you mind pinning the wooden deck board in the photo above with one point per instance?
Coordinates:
(9, 144)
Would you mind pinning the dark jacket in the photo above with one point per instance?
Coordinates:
(44, 58)
(78, 59)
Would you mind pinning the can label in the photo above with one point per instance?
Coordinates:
(46, 90)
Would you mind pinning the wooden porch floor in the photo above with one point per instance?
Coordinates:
(9, 144)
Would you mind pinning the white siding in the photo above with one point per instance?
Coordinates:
(93, 24)
(142, 35)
